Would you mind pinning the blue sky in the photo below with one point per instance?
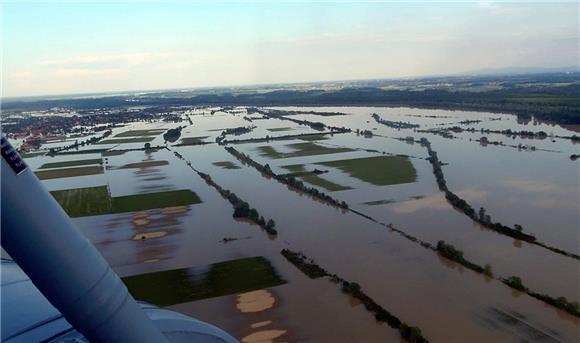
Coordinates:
(77, 47)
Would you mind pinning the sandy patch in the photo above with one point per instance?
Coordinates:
(263, 336)
(260, 324)
(142, 214)
(174, 210)
(140, 221)
(149, 235)
(255, 301)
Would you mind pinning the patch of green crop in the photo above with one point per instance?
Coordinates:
(177, 286)
(226, 165)
(378, 170)
(94, 201)
(278, 129)
(192, 140)
(68, 172)
(82, 202)
(138, 133)
(313, 138)
(140, 202)
(312, 178)
(301, 149)
(71, 163)
(145, 164)
(126, 140)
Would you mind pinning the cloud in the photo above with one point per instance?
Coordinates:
(437, 201)
(131, 59)
(74, 72)
(23, 74)
(494, 7)
(531, 186)
(432, 202)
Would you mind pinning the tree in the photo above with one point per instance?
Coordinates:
(482, 214)
(270, 224)
(518, 227)
(487, 270)
(515, 282)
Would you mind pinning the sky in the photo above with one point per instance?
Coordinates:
(76, 47)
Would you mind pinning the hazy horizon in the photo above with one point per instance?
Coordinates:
(63, 48)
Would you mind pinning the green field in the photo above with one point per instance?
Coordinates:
(112, 153)
(313, 138)
(127, 140)
(542, 99)
(68, 172)
(379, 170)
(137, 133)
(313, 179)
(177, 286)
(300, 149)
(33, 154)
(226, 165)
(94, 201)
(71, 163)
(191, 140)
(278, 129)
(140, 202)
(380, 202)
(145, 164)
(83, 202)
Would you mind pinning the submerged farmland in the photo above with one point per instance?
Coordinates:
(351, 189)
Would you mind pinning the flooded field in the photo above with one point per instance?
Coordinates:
(190, 225)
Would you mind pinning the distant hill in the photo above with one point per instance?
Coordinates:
(523, 70)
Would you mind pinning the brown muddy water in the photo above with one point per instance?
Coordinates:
(536, 189)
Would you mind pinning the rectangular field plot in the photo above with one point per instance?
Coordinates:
(82, 202)
(68, 172)
(379, 170)
(188, 284)
(279, 129)
(312, 178)
(226, 165)
(300, 149)
(126, 140)
(145, 164)
(71, 163)
(94, 201)
(191, 140)
(313, 138)
(137, 133)
(33, 154)
(148, 201)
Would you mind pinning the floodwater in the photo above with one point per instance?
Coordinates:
(536, 189)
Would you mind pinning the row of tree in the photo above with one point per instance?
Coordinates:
(313, 270)
(481, 217)
(394, 124)
(76, 144)
(290, 181)
(562, 303)
(241, 208)
(464, 206)
(450, 252)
